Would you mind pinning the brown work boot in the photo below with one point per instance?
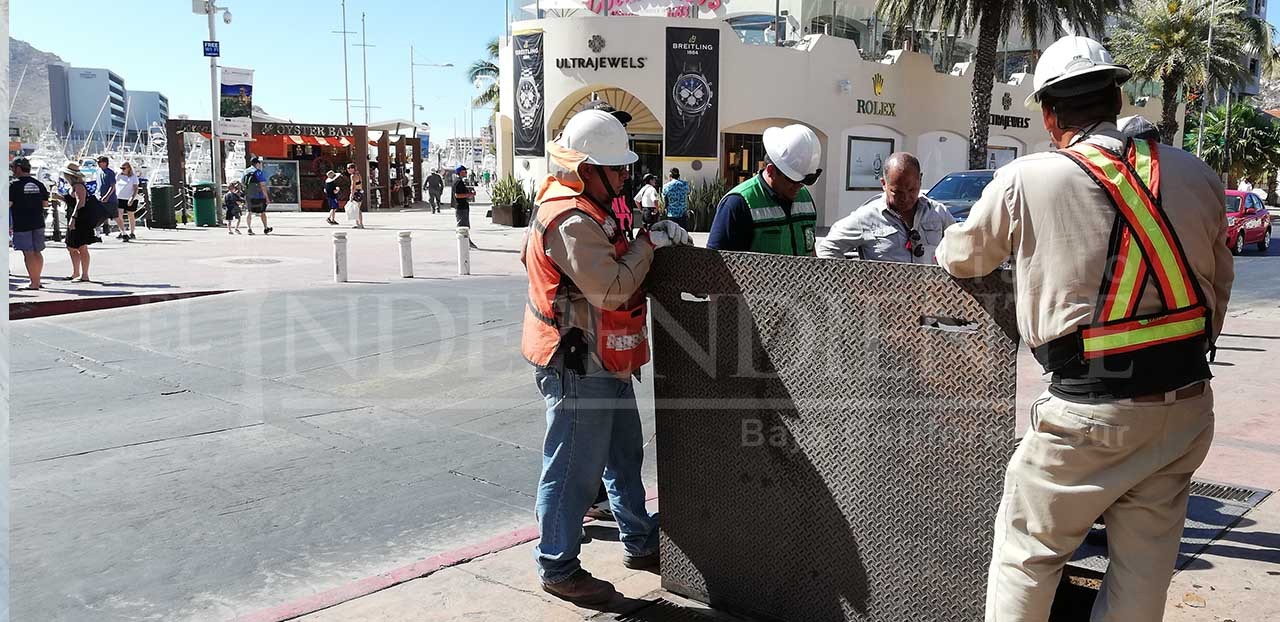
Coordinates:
(581, 589)
(651, 561)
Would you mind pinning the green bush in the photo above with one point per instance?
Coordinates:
(507, 191)
(703, 200)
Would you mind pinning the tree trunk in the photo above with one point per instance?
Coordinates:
(1271, 186)
(1169, 113)
(984, 65)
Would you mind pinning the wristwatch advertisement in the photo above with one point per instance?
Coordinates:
(529, 94)
(693, 70)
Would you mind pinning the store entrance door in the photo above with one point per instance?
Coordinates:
(649, 148)
(743, 157)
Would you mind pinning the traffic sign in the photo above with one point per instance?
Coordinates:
(212, 48)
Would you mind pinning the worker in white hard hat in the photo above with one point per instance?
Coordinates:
(585, 332)
(1122, 281)
(773, 211)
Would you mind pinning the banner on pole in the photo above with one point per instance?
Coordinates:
(530, 135)
(235, 117)
(693, 74)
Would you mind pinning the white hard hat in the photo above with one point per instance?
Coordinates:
(1072, 57)
(794, 149)
(600, 137)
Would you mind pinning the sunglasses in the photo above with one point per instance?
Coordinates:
(913, 243)
(808, 180)
(617, 169)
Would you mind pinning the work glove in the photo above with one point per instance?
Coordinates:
(668, 233)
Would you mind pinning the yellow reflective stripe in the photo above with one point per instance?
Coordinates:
(1128, 287)
(1142, 161)
(1165, 253)
(1139, 336)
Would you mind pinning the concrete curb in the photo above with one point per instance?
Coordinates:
(417, 570)
(35, 309)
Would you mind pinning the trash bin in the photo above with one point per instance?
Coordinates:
(205, 206)
(160, 214)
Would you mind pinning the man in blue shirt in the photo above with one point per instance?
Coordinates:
(106, 191)
(255, 183)
(675, 196)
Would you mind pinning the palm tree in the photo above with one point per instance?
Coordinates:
(1253, 148)
(1168, 40)
(486, 68)
(992, 19)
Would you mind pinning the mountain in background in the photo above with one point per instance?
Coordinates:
(30, 110)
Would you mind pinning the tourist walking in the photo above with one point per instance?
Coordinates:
(331, 194)
(84, 212)
(233, 202)
(255, 186)
(435, 187)
(675, 199)
(127, 200)
(648, 200)
(106, 194)
(28, 200)
(355, 200)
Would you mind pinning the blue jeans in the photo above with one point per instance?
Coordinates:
(592, 427)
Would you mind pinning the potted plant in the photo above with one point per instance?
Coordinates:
(509, 202)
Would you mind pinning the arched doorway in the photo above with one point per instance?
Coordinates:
(644, 128)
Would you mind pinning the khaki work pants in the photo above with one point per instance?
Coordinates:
(1128, 462)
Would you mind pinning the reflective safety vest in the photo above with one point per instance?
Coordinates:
(621, 335)
(1144, 249)
(773, 231)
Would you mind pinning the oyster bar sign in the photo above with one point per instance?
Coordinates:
(597, 45)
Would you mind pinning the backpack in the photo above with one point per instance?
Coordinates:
(249, 179)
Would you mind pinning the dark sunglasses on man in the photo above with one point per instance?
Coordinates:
(810, 179)
(913, 243)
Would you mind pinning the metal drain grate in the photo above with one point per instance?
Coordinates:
(1229, 492)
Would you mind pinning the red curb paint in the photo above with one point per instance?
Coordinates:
(28, 310)
(404, 574)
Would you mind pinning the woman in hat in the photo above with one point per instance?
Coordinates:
(83, 212)
(331, 194)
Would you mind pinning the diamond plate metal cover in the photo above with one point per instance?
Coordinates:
(832, 435)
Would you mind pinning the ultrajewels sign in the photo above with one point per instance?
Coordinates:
(693, 73)
(530, 136)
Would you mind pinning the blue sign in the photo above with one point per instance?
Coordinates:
(212, 48)
(425, 141)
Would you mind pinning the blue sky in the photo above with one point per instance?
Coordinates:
(297, 63)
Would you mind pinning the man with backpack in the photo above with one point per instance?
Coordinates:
(254, 182)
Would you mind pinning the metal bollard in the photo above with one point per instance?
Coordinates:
(339, 257)
(406, 255)
(464, 251)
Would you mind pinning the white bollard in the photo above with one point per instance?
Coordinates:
(464, 251)
(339, 257)
(406, 255)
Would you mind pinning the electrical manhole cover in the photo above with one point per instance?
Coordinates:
(254, 261)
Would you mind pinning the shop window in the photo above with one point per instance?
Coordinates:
(998, 156)
(865, 160)
(743, 158)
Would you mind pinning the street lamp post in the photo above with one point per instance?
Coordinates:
(413, 102)
(209, 9)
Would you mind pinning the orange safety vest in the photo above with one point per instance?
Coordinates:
(621, 335)
(1144, 247)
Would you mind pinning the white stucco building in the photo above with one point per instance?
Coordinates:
(862, 105)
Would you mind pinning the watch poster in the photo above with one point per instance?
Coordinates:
(530, 111)
(693, 74)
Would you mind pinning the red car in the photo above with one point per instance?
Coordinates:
(1248, 222)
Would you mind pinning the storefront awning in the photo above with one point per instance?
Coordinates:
(320, 140)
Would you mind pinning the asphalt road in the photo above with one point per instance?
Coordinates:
(202, 459)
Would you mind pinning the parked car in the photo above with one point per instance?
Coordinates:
(1248, 222)
(959, 191)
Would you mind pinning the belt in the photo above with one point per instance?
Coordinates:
(1195, 390)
